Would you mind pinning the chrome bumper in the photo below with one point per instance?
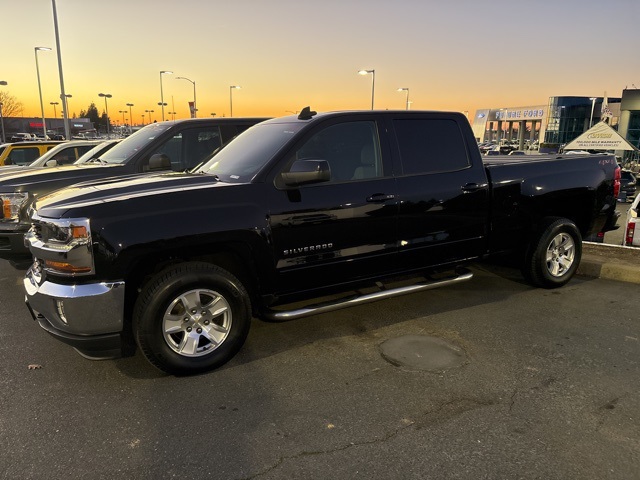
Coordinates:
(78, 310)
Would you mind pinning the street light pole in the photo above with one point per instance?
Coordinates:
(2, 82)
(406, 103)
(161, 92)
(67, 128)
(231, 98)
(55, 114)
(106, 108)
(195, 108)
(149, 112)
(130, 117)
(373, 82)
(44, 125)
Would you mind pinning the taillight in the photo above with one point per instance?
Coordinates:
(616, 182)
(631, 228)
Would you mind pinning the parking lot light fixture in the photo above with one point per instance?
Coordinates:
(106, 108)
(130, 117)
(195, 108)
(44, 125)
(165, 72)
(149, 112)
(406, 102)
(373, 82)
(55, 114)
(231, 88)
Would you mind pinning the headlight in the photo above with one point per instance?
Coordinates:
(11, 204)
(62, 246)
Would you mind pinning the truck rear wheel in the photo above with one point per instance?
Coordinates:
(191, 318)
(554, 255)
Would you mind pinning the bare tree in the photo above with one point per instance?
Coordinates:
(10, 105)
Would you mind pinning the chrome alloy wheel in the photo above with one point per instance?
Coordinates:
(560, 254)
(197, 322)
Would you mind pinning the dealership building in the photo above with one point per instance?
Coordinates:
(559, 121)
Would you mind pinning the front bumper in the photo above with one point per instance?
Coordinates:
(88, 317)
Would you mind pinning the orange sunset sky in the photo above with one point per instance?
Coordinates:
(452, 55)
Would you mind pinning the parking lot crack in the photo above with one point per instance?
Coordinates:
(340, 448)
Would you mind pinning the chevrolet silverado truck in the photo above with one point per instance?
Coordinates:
(176, 145)
(299, 216)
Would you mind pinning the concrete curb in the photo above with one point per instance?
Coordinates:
(612, 262)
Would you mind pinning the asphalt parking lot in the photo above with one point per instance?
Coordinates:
(547, 387)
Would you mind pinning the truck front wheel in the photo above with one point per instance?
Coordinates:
(554, 255)
(191, 318)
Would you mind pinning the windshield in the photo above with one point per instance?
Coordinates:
(96, 151)
(241, 159)
(131, 145)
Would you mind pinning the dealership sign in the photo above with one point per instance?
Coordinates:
(600, 137)
(521, 114)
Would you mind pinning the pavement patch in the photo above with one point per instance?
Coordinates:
(422, 352)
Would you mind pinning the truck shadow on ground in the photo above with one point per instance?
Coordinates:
(492, 282)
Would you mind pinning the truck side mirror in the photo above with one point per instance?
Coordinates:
(159, 161)
(51, 163)
(304, 172)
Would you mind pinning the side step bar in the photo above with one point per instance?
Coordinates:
(359, 299)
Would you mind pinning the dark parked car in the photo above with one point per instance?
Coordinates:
(627, 186)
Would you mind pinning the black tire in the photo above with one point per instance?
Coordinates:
(209, 333)
(554, 254)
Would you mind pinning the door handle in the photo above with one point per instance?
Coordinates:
(471, 187)
(380, 197)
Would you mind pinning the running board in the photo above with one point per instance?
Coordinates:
(359, 299)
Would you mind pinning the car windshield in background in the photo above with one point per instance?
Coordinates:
(124, 150)
(242, 159)
(96, 152)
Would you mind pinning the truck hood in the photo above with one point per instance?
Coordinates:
(113, 190)
(45, 179)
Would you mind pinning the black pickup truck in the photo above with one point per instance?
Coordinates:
(177, 145)
(336, 205)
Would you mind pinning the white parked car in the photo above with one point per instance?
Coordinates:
(632, 225)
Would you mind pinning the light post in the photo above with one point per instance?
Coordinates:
(373, 82)
(195, 108)
(2, 82)
(231, 98)
(65, 103)
(593, 104)
(213, 114)
(173, 115)
(130, 117)
(55, 115)
(44, 125)
(167, 72)
(149, 112)
(406, 102)
(122, 112)
(143, 119)
(106, 108)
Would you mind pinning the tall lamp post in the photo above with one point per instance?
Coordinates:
(55, 114)
(167, 72)
(231, 88)
(44, 125)
(593, 104)
(2, 82)
(373, 82)
(122, 112)
(195, 108)
(406, 102)
(106, 108)
(149, 112)
(65, 102)
(130, 117)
